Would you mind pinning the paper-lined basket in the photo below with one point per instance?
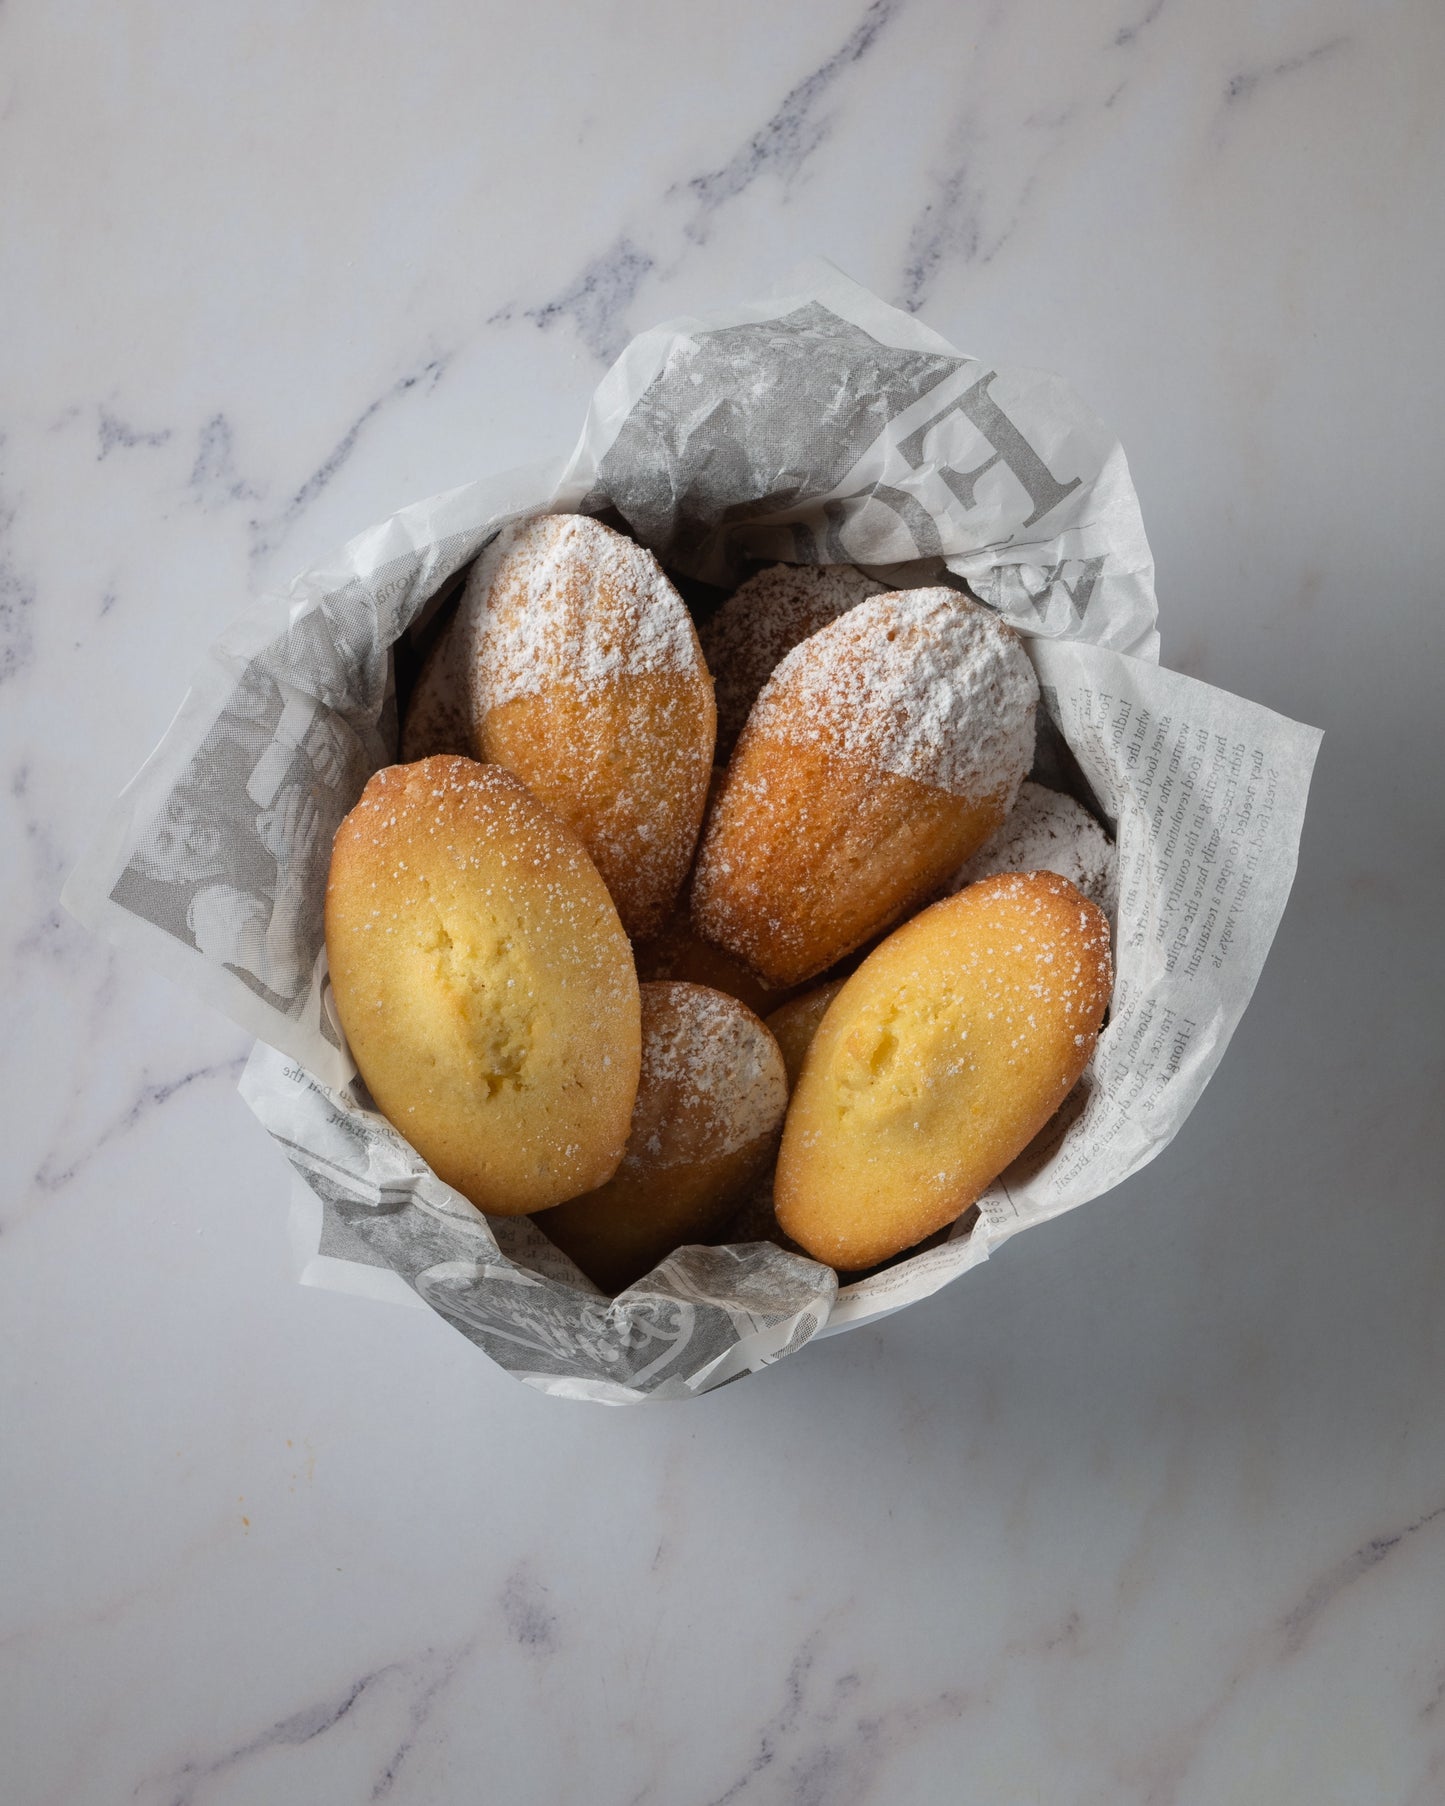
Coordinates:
(820, 426)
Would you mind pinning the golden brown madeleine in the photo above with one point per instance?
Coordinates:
(586, 679)
(882, 752)
(709, 1107)
(944, 1054)
(761, 622)
(484, 982)
(795, 1023)
(678, 951)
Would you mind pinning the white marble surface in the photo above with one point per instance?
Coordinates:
(1151, 1515)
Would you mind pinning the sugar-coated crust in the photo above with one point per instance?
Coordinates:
(882, 752)
(941, 1058)
(755, 629)
(710, 1102)
(586, 679)
(484, 982)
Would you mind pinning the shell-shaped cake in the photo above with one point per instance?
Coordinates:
(585, 678)
(484, 982)
(881, 754)
(709, 1106)
(940, 1059)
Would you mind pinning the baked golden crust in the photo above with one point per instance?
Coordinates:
(883, 751)
(679, 952)
(940, 1059)
(586, 679)
(809, 855)
(710, 1102)
(484, 982)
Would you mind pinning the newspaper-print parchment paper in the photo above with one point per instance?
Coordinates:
(821, 426)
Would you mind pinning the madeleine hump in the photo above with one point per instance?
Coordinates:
(882, 753)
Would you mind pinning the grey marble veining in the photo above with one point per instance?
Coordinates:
(1149, 1517)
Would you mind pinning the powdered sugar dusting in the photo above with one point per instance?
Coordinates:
(717, 1067)
(479, 820)
(756, 628)
(1048, 832)
(562, 598)
(1039, 946)
(473, 952)
(922, 683)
